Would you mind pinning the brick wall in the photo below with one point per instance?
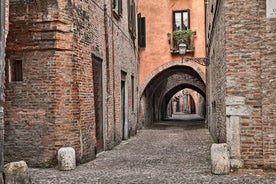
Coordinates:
(249, 87)
(4, 9)
(268, 85)
(54, 104)
(35, 107)
(216, 74)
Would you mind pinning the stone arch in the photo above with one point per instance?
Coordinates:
(164, 82)
(178, 80)
(169, 65)
(172, 91)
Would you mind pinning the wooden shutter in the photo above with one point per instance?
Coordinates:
(141, 31)
(188, 11)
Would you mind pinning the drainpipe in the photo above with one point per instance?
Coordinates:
(107, 66)
(106, 49)
(205, 25)
(2, 64)
(114, 77)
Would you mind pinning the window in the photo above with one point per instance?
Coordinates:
(181, 20)
(131, 17)
(117, 8)
(16, 70)
(141, 31)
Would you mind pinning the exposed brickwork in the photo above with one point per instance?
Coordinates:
(268, 84)
(4, 27)
(247, 49)
(54, 104)
(216, 79)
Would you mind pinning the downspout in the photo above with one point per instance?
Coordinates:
(206, 113)
(114, 77)
(107, 64)
(2, 65)
(205, 25)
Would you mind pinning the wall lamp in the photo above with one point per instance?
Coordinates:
(182, 47)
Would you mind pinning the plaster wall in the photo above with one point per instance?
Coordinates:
(158, 16)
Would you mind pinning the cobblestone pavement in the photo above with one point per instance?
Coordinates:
(171, 152)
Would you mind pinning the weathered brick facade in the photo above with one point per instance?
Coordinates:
(241, 79)
(54, 104)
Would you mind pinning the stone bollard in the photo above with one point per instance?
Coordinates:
(1, 178)
(236, 163)
(220, 159)
(66, 159)
(17, 173)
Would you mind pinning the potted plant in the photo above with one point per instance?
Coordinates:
(182, 36)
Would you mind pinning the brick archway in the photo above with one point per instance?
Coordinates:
(163, 83)
(167, 65)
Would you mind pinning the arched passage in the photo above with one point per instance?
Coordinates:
(169, 95)
(163, 83)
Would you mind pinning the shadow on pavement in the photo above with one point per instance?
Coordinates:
(185, 123)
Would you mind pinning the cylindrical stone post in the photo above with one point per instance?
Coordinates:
(66, 159)
(220, 159)
(17, 172)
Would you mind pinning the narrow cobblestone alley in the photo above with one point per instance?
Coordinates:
(169, 152)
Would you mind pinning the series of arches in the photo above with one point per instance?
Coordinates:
(162, 84)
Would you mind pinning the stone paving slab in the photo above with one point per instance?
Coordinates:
(171, 152)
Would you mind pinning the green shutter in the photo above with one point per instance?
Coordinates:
(141, 31)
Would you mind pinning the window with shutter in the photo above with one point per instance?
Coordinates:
(141, 31)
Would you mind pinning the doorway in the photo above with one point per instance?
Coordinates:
(98, 101)
(123, 106)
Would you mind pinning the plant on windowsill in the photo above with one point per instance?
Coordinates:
(182, 36)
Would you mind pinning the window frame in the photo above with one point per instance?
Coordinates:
(117, 7)
(132, 17)
(16, 70)
(181, 11)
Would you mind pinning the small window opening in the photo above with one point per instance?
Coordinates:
(16, 70)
